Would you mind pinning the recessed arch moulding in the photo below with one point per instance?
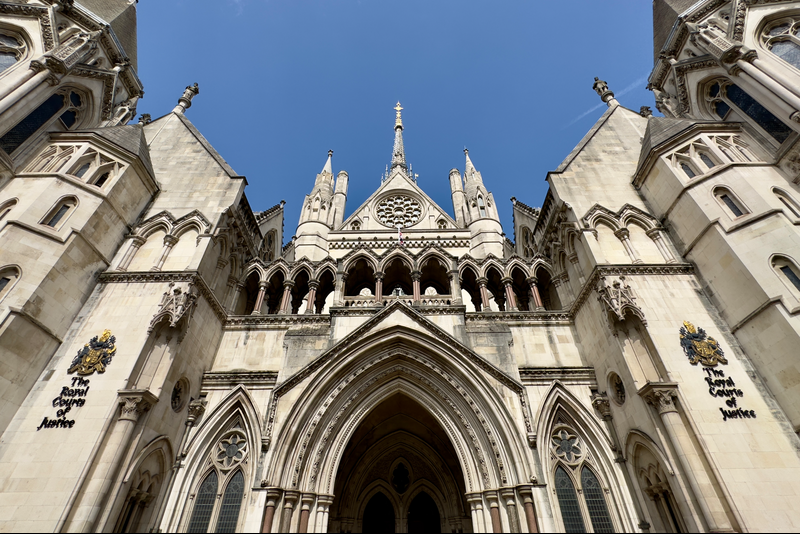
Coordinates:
(312, 419)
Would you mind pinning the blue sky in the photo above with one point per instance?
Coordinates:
(282, 81)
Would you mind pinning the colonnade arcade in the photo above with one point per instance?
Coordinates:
(364, 279)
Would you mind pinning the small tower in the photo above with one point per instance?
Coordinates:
(459, 198)
(317, 216)
(481, 215)
(340, 198)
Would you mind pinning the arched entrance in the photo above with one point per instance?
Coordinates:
(399, 461)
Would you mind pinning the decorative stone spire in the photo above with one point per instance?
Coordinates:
(469, 168)
(399, 153)
(606, 94)
(185, 101)
(328, 167)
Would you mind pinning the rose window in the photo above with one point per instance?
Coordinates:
(231, 450)
(567, 446)
(399, 211)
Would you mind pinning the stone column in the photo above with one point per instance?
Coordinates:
(526, 492)
(494, 511)
(133, 403)
(286, 301)
(625, 236)
(289, 500)
(475, 501)
(661, 396)
(323, 508)
(415, 278)
(338, 289)
(379, 288)
(306, 502)
(311, 307)
(511, 299)
(136, 242)
(169, 242)
(221, 263)
(455, 288)
(262, 289)
(510, 499)
(237, 288)
(484, 294)
(537, 298)
(273, 494)
(658, 238)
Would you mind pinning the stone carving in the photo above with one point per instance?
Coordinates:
(134, 404)
(566, 445)
(617, 298)
(602, 405)
(95, 355)
(700, 347)
(398, 211)
(662, 399)
(176, 305)
(617, 388)
(196, 410)
(231, 449)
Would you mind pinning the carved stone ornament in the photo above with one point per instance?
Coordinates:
(662, 399)
(231, 449)
(617, 297)
(398, 211)
(617, 388)
(566, 445)
(176, 306)
(196, 409)
(700, 347)
(133, 403)
(95, 355)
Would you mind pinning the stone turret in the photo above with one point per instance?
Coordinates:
(317, 216)
(481, 215)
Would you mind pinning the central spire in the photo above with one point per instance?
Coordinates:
(399, 153)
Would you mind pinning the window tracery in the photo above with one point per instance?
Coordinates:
(580, 494)
(782, 38)
(399, 211)
(723, 97)
(95, 168)
(694, 160)
(735, 149)
(12, 49)
(224, 476)
(65, 107)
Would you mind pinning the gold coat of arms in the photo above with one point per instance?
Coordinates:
(95, 355)
(700, 347)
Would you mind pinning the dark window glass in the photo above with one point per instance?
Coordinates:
(58, 216)
(721, 108)
(688, 170)
(204, 504)
(785, 201)
(75, 98)
(80, 172)
(4, 212)
(705, 159)
(481, 207)
(713, 90)
(779, 29)
(7, 40)
(788, 51)
(69, 118)
(4, 282)
(758, 113)
(103, 179)
(7, 59)
(568, 502)
(30, 124)
(737, 212)
(595, 502)
(667, 501)
(791, 275)
(231, 503)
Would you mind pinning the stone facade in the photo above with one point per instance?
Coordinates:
(627, 363)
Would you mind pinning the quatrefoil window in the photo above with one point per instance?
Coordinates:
(398, 211)
(231, 449)
(567, 445)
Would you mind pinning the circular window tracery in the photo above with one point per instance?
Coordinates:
(567, 445)
(398, 211)
(231, 449)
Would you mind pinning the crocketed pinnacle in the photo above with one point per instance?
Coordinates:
(469, 169)
(399, 153)
(328, 167)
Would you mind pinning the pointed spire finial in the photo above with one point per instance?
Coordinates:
(466, 152)
(185, 101)
(398, 122)
(606, 94)
(328, 167)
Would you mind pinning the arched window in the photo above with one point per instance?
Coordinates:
(355, 225)
(784, 197)
(722, 95)
(734, 148)
(706, 159)
(688, 170)
(787, 271)
(228, 459)
(12, 49)
(60, 212)
(780, 37)
(442, 224)
(65, 105)
(581, 496)
(732, 205)
(95, 168)
(481, 206)
(6, 207)
(8, 278)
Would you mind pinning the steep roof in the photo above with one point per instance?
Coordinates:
(129, 137)
(121, 16)
(665, 13)
(661, 129)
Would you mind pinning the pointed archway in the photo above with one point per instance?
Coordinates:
(399, 455)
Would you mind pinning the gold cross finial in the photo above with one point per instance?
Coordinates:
(398, 122)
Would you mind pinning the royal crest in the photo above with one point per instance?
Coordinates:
(95, 355)
(700, 347)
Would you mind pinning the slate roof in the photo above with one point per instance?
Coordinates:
(131, 138)
(665, 13)
(121, 15)
(660, 130)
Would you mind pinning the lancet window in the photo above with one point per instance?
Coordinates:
(95, 168)
(732, 205)
(781, 37)
(694, 160)
(788, 271)
(12, 49)
(725, 97)
(223, 476)
(66, 107)
(735, 148)
(6, 207)
(8, 277)
(481, 206)
(581, 496)
(787, 201)
(60, 212)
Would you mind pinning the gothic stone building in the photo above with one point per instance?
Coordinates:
(628, 363)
